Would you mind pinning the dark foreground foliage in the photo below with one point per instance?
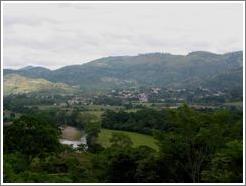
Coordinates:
(194, 146)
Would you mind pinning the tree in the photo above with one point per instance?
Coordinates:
(31, 136)
(226, 165)
(190, 143)
(122, 168)
(12, 115)
(83, 119)
(92, 130)
(120, 140)
(148, 168)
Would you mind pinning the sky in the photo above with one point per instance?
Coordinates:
(60, 34)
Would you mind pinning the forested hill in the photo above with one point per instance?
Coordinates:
(154, 69)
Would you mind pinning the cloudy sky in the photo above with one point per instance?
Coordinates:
(55, 35)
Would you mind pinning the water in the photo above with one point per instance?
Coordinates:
(67, 137)
(75, 143)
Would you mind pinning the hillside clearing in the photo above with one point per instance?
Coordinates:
(137, 138)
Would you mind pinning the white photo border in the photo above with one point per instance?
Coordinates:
(121, 2)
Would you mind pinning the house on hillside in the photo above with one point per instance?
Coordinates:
(143, 97)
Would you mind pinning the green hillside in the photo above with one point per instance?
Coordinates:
(16, 84)
(137, 138)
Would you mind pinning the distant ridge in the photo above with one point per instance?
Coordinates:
(143, 70)
(33, 68)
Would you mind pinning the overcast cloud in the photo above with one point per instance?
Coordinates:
(55, 35)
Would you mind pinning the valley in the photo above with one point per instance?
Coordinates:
(126, 119)
(122, 93)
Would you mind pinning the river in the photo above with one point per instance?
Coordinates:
(72, 136)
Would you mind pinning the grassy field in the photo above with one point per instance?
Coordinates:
(46, 107)
(137, 138)
(102, 107)
(236, 103)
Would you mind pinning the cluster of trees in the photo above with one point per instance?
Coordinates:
(105, 100)
(27, 138)
(33, 153)
(200, 146)
(31, 136)
(194, 146)
(147, 120)
(143, 121)
(59, 117)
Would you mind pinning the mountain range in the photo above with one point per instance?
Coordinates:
(195, 69)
